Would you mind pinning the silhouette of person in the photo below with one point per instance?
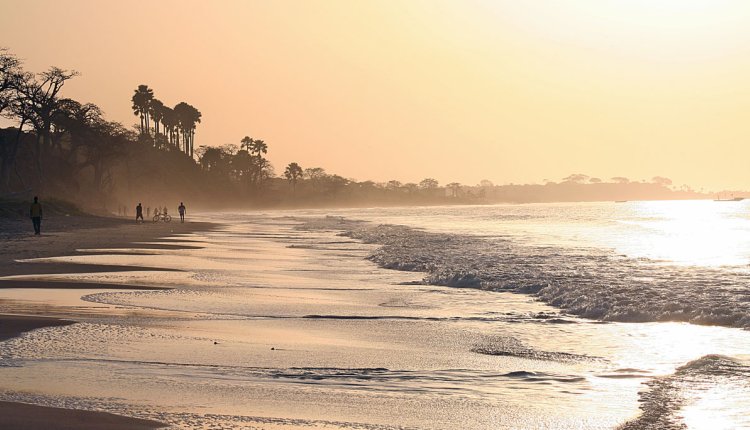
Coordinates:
(35, 213)
(181, 209)
(139, 212)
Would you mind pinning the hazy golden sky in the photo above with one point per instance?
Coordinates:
(511, 91)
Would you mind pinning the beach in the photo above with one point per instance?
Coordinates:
(63, 236)
(297, 319)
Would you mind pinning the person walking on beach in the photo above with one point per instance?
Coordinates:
(36, 215)
(181, 209)
(138, 213)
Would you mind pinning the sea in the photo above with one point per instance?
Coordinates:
(629, 315)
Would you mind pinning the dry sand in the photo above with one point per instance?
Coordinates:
(63, 236)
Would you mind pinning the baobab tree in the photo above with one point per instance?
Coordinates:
(38, 102)
(11, 75)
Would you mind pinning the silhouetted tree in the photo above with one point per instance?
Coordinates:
(38, 102)
(315, 175)
(141, 103)
(292, 173)
(170, 123)
(10, 73)
(246, 143)
(258, 147)
(661, 180)
(156, 111)
(242, 166)
(393, 185)
(11, 76)
(576, 178)
(454, 187)
(187, 118)
(209, 157)
(428, 184)
(411, 188)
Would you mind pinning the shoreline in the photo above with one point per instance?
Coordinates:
(66, 236)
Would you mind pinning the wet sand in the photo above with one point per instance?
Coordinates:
(14, 325)
(21, 416)
(65, 236)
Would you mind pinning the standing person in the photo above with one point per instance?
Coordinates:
(181, 209)
(138, 212)
(36, 215)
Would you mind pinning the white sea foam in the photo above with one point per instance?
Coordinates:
(589, 283)
(704, 393)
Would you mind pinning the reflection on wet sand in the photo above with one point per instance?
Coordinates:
(254, 332)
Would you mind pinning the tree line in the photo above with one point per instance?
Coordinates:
(61, 134)
(163, 125)
(64, 147)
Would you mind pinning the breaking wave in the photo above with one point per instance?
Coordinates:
(702, 393)
(584, 282)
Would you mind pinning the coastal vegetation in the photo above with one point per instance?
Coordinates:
(58, 147)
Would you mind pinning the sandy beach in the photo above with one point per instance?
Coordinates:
(65, 236)
(278, 321)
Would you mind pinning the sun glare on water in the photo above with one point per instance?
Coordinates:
(702, 233)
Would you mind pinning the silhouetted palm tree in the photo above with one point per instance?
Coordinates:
(156, 111)
(169, 120)
(258, 147)
(141, 101)
(187, 117)
(292, 173)
(246, 142)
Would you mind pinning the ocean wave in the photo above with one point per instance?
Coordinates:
(714, 380)
(512, 347)
(592, 284)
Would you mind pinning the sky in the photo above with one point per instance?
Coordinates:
(464, 90)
